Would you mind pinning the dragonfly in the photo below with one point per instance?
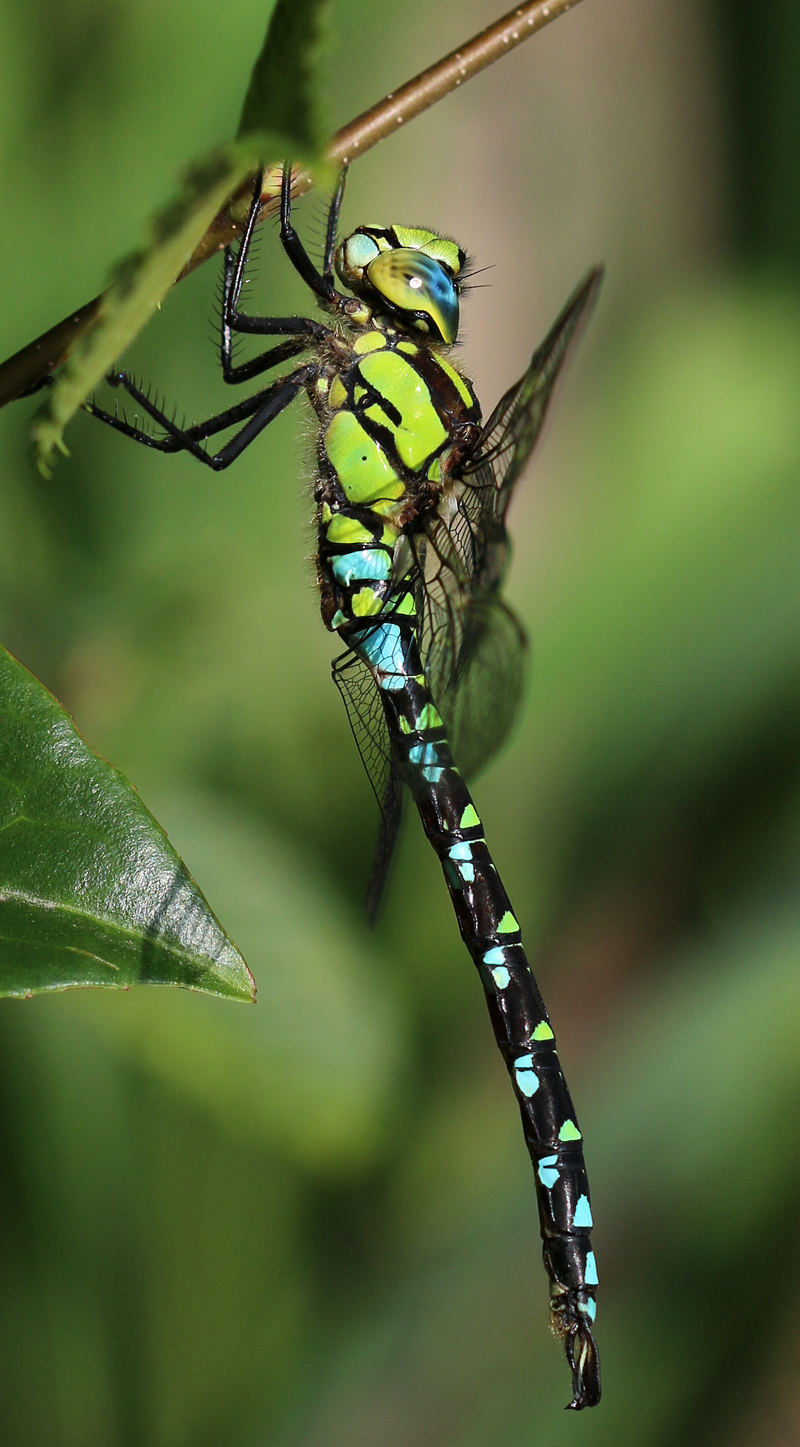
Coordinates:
(412, 490)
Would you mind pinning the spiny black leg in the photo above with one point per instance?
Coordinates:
(129, 429)
(270, 403)
(302, 336)
(273, 358)
(262, 409)
(233, 321)
(198, 432)
(235, 281)
(322, 286)
(332, 227)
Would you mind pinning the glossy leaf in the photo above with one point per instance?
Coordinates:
(91, 891)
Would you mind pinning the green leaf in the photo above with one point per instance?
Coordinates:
(284, 89)
(91, 892)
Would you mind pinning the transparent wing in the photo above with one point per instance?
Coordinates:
(367, 720)
(479, 698)
(506, 442)
(475, 647)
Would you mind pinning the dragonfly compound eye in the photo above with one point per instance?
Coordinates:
(353, 257)
(416, 283)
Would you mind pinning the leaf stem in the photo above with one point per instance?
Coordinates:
(29, 367)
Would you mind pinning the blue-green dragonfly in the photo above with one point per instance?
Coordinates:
(412, 490)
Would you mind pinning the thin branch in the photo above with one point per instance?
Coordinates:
(30, 367)
(445, 76)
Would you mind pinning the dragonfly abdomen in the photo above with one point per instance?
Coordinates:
(521, 1025)
(390, 420)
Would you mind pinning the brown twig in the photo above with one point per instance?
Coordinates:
(29, 367)
(445, 76)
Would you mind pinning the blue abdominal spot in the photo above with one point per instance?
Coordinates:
(548, 1171)
(373, 564)
(382, 647)
(427, 757)
(583, 1213)
(494, 957)
(526, 1077)
(425, 754)
(462, 854)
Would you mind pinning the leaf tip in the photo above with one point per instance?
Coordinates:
(47, 438)
(251, 988)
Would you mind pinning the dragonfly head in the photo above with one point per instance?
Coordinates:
(411, 272)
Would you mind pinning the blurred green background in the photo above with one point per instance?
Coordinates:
(312, 1223)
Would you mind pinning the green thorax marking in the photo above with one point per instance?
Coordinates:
(397, 406)
(419, 432)
(360, 463)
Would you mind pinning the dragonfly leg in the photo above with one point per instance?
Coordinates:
(273, 357)
(321, 284)
(303, 330)
(333, 226)
(197, 432)
(261, 409)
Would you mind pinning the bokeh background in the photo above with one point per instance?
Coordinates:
(312, 1223)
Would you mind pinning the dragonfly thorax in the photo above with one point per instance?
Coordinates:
(411, 272)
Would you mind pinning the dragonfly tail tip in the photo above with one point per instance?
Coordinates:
(584, 1361)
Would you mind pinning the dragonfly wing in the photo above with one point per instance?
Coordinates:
(475, 647)
(367, 719)
(391, 818)
(479, 697)
(506, 442)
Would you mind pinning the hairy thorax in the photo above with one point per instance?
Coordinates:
(396, 418)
